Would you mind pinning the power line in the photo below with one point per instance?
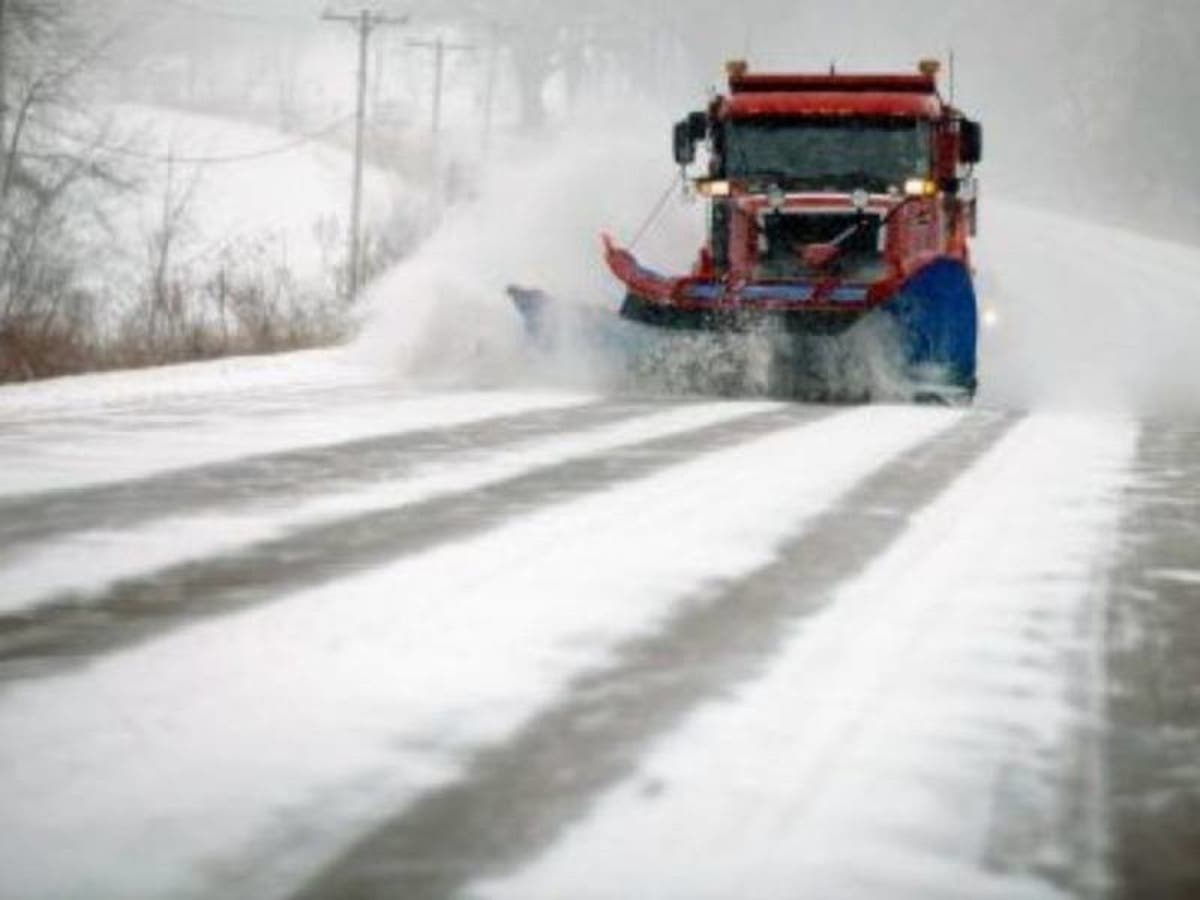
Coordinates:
(229, 14)
(215, 160)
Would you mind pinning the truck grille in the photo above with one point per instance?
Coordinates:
(784, 233)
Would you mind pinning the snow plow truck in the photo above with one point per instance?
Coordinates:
(835, 203)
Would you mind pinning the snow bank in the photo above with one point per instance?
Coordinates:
(104, 429)
(212, 380)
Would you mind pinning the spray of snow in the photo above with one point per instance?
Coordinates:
(444, 317)
(1086, 316)
(1076, 315)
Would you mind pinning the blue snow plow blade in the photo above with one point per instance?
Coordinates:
(938, 323)
(924, 339)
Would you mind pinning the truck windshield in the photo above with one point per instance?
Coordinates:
(828, 154)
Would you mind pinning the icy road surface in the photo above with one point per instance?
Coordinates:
(275, 629)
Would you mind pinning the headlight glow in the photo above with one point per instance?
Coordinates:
(713, 188)
(920, 187)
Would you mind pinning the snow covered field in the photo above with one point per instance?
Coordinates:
(297, 627)
(250, 198)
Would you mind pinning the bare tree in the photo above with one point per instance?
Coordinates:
(50, 151)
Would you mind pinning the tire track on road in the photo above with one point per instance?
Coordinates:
(73, 629)
(1154, 672)
(289, 474)
(518, 797)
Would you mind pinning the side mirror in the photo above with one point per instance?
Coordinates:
(685, 148)
(688, 133)
(971, 142)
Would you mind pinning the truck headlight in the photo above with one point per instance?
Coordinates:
(920, 187)
(712, 188)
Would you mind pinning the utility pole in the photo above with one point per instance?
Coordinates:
(439, 69)
(496, 31)
(3, 78)
(365, 21)
(377, 76)
(439, 48)
(489, 89)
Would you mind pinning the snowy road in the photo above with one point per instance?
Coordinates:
(325, 638)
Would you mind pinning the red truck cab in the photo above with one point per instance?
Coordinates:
(831, 196)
